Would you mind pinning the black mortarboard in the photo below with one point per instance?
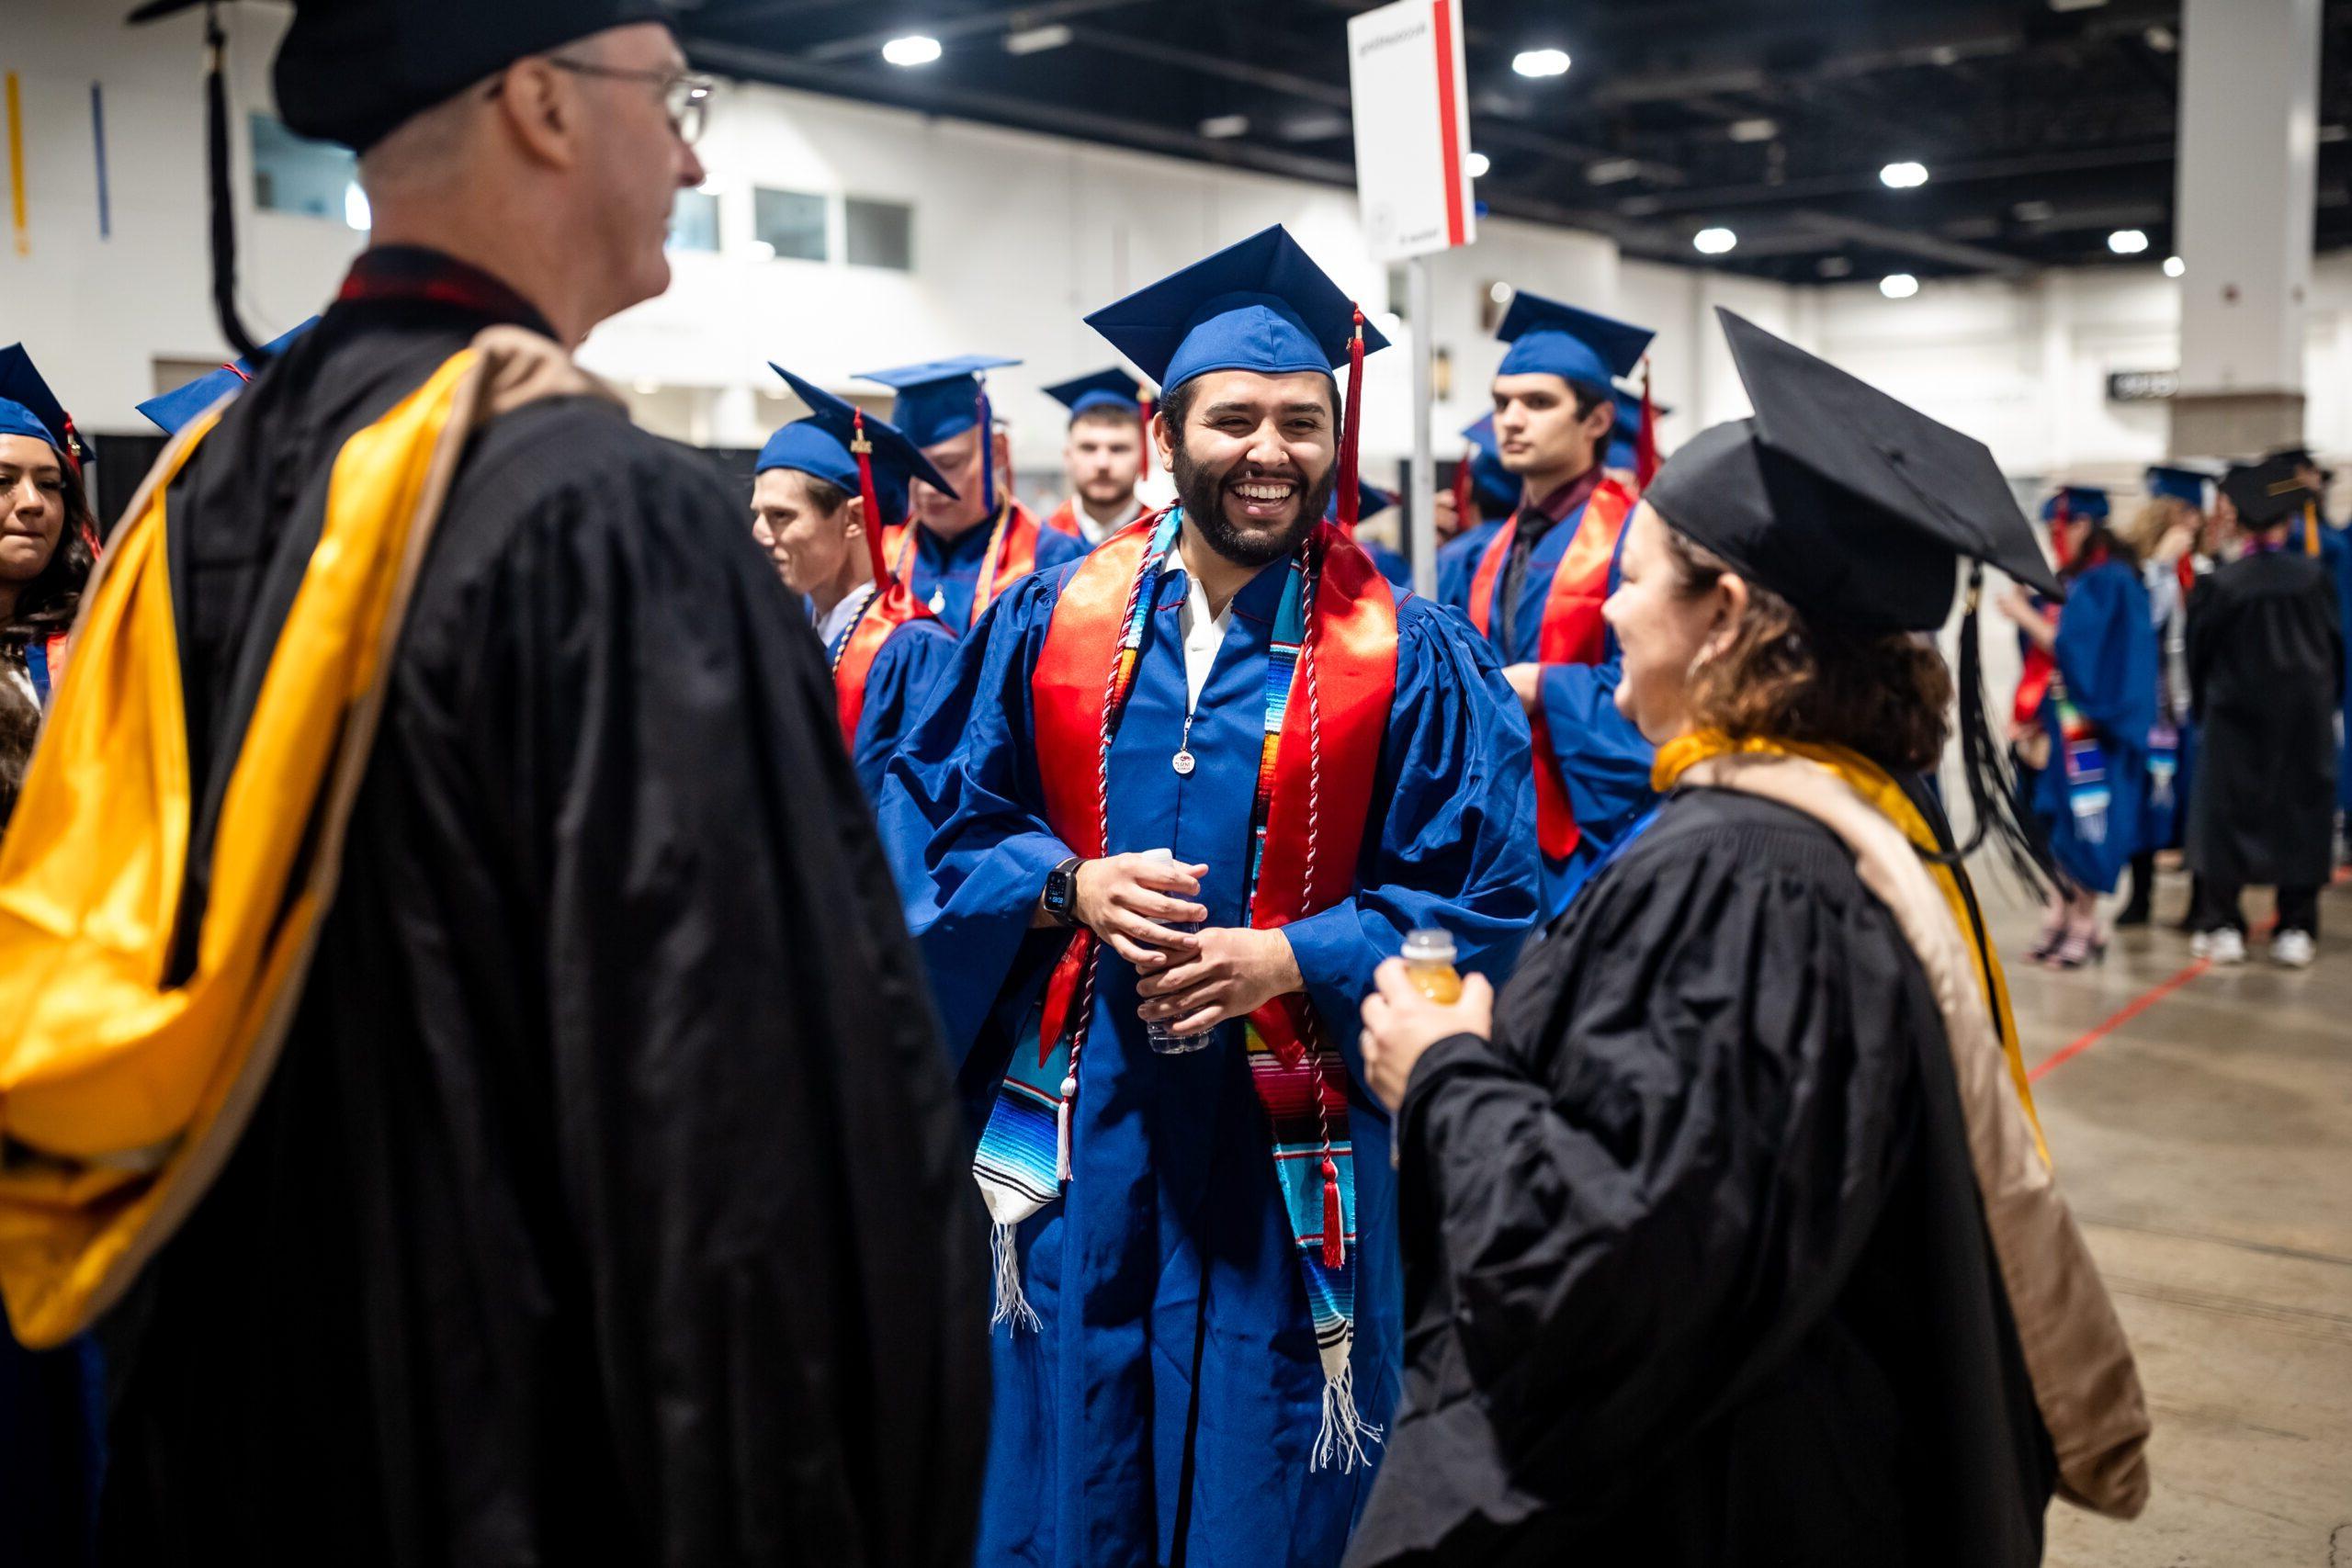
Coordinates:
(1851, 505)
(353, 71)
(2267, 491)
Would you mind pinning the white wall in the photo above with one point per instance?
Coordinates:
(1017, 236)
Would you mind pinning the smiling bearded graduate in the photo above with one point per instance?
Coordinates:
(1198, 1295)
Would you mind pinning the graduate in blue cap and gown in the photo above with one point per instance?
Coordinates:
(823, 489)
(2094, 713)
(1197, 1281)
(1106, 457)
(963, 547)
(2165, 533)
(51, 1404)
(1485, 494)
(1538, 585)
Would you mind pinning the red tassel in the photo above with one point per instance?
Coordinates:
(1349, 499)
(1143, 405)
(863, 450)
(1466, 494)
(1334, 1225)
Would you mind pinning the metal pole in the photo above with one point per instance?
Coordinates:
(1422, 548)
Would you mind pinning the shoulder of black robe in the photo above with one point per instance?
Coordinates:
(608, 1203)
(1696, 1270)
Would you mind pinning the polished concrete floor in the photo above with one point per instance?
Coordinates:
(2205, 1142)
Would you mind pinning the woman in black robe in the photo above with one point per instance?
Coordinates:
(1698, 1268)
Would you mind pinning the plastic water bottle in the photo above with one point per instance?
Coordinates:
(1429, 964)
(1155, 1031)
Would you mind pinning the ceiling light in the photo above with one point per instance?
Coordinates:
(1500, 292)
(912, 50)
(1225, 126)
(2175, 266)
(1541, 63)
(356, 214)
(1613, 170)
(1477, 164)
(1037, 40)
(2127, 241)
(2076, 4)
(2033, 212)
(1904, 175)
(1898, 286)
(1758, 130)
(1713, 242)
(1832, 267)
(2160, 39)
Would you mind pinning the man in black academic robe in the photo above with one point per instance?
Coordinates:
(2266, 672)
(607, 1203)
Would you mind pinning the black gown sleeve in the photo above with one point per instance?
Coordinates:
(1658, 1178)
(759, 1156)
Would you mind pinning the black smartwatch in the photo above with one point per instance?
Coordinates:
(1061, 892)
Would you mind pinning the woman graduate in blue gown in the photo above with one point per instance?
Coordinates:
(1165, 1382)
(2101, 704)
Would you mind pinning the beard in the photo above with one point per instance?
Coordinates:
(1202, 491)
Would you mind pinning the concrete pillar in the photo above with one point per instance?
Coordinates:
(2242, 222)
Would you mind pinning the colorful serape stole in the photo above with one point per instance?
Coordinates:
(1334, 646)
(2086, 761)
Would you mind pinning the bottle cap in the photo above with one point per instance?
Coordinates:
(1429, 947)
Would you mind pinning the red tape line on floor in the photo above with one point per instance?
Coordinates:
(2118, 1019)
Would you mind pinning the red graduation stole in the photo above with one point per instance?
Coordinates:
(1323, 774)
(1011, 553)
(1063, 519)
(884, 613)
(1573, 632)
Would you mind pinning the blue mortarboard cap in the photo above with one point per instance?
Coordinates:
(1549, 338)
(2170, 483)
(1103, 390)
(2082, 500)
(169, 410)
(29, 408)
(1260, 305)
(1371, 502)
(938, 399)
(820, 444)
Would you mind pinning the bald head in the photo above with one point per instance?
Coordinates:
(557, 174)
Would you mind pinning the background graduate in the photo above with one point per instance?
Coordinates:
(2163, 534)
(1536, 589)
(967, 544)
(1728, 1239)
(1106, 457)
(819, 513)
(1485, 494)
(2266, 661)
(2096, 714)
(1197, 1275)
(2314, 534)
(462, 1034)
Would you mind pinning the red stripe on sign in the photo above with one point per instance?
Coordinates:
(1449, 121)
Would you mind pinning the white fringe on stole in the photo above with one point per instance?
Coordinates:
(1344, 1434)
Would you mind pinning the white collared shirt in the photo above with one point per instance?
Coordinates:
(1203, 635)
(1095, 533)
(836, 620)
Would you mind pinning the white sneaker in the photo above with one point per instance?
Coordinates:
(2223, 946)
(2291, 950)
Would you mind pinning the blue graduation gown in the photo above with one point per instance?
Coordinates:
(2336, 554)
(950, 568)
(1602, 758)
(1176, 1342)
(1457, 563)
(909, 664)
(1393, 566)
(2106, 655)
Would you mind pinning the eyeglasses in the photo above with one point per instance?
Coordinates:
(685, 94)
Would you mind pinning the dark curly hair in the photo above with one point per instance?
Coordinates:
(1886, 696)
(47, 604)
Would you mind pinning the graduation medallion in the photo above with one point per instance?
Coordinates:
(1182, 763)
(938, 599)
